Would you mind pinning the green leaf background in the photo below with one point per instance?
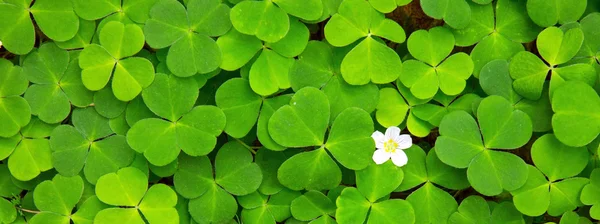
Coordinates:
(262, 111)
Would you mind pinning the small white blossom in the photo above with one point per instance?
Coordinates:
(391, 145)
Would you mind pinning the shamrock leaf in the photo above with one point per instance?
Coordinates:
(136, 11)
(401, 107)
(55, 18)
(29, 158)
(87, 211)
(495, 80)
(56, 199)
(195, 132)
(188, 32)
(431, 204)
(353, 207)
(314, 170)
(589, 49)
(232, 162)
(240, 105)
(387, 6)
(552, 190)
(92, 142)
(539, 195)
(303, 122)
(575, 120)
(8, 213)
(589, 194)
(530, 72)
(497, 29)
(456, 14)
(318, 67)
(12, 85)
(356, 19)
(128, 189)
(82, 38)
(211, 198)
(118, 42)
(377, 181)
(502, 127)
(548, 13)
(107, 105)
(431, 72)
(269, 72)
(57, 83)
(269, 162)
(258, 208)
(473, 209)
(426, 167)
(270, 22)
(312, 205)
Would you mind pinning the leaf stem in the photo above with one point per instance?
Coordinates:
(251, 149)
(29, 211)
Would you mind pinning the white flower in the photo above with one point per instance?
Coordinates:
(391, 145)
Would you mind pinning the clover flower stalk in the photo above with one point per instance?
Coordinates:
(391, 145)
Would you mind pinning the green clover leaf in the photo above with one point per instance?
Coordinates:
(495, 80)
(387, 6)
(12, 85)
(118, 42)
(473, 209)
(56, 198)
(55, 18)
(575, 120)
(312, 205)
(136, 11)
(28, 152)
(530, 72)
(548, 188)
(431, 72)
(8, 212)
(128, 188)
(456, 13)
(270, 22)
(502, 127)
(353, 207)
(377, 181)
(426, 167)
(497, 29)
(401, 107)
(589, 194)
(548, 13)
(188, 31)
(303, 123)
(29, 158)
(211, 199)
(268, 74)
(93, 143)
(258, 208)
(539, 195)
(195, 133)
(431, 204)
(57, 83)
(355, 20)
(318, 67)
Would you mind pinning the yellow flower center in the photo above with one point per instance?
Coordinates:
(390, 146)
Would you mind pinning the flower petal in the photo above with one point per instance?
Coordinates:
(379, 138)
(399, 158)
(392, 132)
(381, 156)
(404, 141)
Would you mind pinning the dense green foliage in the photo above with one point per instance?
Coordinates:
(299, 111)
